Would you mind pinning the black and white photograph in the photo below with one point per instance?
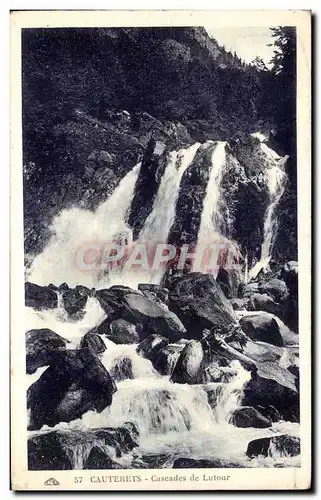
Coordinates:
(161, 261)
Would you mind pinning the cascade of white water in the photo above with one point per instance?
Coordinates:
(276, 181)
(77, 233)
(57, 320)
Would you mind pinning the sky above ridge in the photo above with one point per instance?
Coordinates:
(248, 43)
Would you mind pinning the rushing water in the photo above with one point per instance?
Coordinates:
(173, 419)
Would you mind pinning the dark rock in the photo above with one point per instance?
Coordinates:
(284, 444)
(46, 452)
(84, 291)
(275, 288)
(192, 463)
(151, 171)
(79, 368)
(123, 332)
(93, 342)
(154, 292)
(110, 303)
(191, 194)
(97, 459)
(187, 368)
(151, 345)
(247, 416)
(269, 412)
(289, 274)
(167, 357)
(75, 403)
(228, 281)
(200, 303)
(122, 370)
(219, 351)
(40, 297)
(273, 385)
(154, 319)
(64, 450)
(263, 302)
(121, 290)
(74, 301)
(42, 348)
(239, 304)
(63, 287)
(262, 327)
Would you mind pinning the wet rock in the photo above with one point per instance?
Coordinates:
(239, 304)
(263, 302)
(122, 370)
(284, 444)
(191, 194)
(151, 345)
(42, 348)
(110, 303)
(77, 369)
(272, 384)
(65, 450)
(151, 171)
(289, 274)
(167, 357)
(262, 318)
(121, 290)
(228, 281)
(123, 332)
(269, 412)
(187, 368)
(97, 459)
(74, 404)
(200, 303)
(94, 342)
(275, 288)
(154, 292)
(192, 463)
(40, 297)
(153, 318)
(215, 373)
(262, 327)
(247, 416)
(84, 291)
(74, 301)
(46, 452)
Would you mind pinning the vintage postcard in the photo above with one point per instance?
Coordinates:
(160, 250)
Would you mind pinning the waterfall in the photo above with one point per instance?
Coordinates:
(276, 181)
(76, 230)
(161, 218)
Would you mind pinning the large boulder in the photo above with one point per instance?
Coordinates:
(111, 303)
(228, 281)
(75, 370)
(275, 288)
(262, 327)
(94, 342)
(152, 317)
(188, 365)
(284, 444)
(267, 327)
(199, 302)
(42, 348)
(247, 416)
(40, 297)
(74, 301)
(123, 332)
